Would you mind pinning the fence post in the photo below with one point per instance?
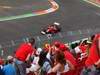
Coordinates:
(27, 39)
(2, 51)
(12, 42)
(38, 41)
(60, 35)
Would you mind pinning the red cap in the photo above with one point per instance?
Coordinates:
(63, 47)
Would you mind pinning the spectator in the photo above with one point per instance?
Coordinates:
(1, 71)
(1, 63)
(9, 69)
(61, 65)
(34, 65)
(68, 55)
(93, 60)
(44, 63)
(71, 59)
(52, 51)
(23, 54)
(1, 66)
(94, 56)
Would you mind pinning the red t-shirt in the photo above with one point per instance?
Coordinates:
(70, 57)
(23, 51)
(67, 54)
(83, 48)
(93, 53)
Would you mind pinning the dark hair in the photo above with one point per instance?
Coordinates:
(42, 57)
(60, 57)
(10, 61)
(74, 45)
(32, 41)
(92, 37)
(84, 42)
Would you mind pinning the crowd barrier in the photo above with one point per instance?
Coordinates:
(9, 47)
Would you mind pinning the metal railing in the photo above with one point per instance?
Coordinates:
(66, 37)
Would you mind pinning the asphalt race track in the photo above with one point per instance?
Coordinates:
(73, 15)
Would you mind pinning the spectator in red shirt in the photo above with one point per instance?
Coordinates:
(94, 52)
(61, 65)
(23, 54)
(68, 56)
(83, 46)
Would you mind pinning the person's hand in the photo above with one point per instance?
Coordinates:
(98, 64)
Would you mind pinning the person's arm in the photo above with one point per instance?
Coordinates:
(54, 69)
(71, 66)
(97, 64)
(49, 53)
(31, 52)
(28, 57)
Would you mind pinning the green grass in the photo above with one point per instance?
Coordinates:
(21, 11)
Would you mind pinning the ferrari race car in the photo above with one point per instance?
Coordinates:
(51, 29)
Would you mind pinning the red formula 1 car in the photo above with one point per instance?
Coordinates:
(51, 29)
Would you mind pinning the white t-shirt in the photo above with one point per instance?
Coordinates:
(77, 50)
